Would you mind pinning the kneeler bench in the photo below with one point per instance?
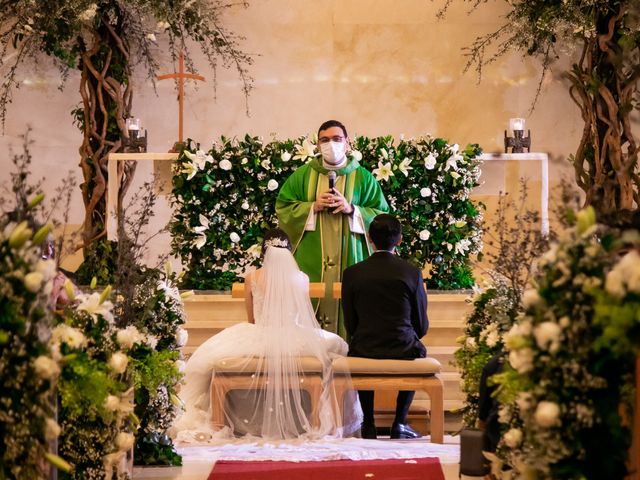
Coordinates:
(373, 374)
(240, 373)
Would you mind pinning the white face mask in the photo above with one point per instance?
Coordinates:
(333, 152)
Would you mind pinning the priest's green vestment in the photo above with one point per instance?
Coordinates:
(325, 247)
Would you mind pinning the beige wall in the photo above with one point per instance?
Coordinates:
(380, 66)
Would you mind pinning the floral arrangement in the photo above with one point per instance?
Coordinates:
(28, 372)
(494, 311)
(224, 199)
(565, 392)
(95, 388)
(513, 247)
(157, 364)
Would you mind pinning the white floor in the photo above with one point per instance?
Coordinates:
(198, 460)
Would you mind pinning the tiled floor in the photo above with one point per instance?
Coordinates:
(198, 461)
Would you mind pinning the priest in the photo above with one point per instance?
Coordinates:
(326, 207)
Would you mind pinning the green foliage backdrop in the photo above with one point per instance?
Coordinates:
(224, 199)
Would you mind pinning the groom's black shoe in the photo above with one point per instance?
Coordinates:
(403, 431)
(368, 431)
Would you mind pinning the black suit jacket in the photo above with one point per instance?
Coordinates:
(385, 308)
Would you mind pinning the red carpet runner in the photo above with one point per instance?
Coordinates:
(396, 469)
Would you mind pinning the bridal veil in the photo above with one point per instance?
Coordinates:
(285, 360)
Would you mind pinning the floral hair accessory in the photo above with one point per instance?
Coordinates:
(276, 242)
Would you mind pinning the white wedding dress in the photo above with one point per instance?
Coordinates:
(285, 330)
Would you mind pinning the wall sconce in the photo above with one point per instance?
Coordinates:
(518, 142)
(135, 143)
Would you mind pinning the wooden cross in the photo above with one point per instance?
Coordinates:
(180, 77)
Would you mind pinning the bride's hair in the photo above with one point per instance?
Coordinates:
(276, 237)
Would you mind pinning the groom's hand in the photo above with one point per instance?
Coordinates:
(340, 204)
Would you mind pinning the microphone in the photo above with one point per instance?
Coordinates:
(332, 184)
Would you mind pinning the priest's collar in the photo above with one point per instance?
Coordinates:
(350, 166)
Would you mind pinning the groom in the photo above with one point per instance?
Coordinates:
(385, 313)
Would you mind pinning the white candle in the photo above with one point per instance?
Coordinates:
(133, 124)
(516, 124)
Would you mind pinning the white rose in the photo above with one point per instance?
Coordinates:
(524, 400)
(245, 205)
(124, 441)
(112, 403)
(46, 367)
(181, 365)
(521, 360)
(430, 162)
(513, 437)
(152, 341)
(547, 336)
(225, 164)
(272, 185)
(69, 335)
(425, 192)
(234, 237)
(614, 283)
(118, 362)
(47, 268)
(531, 298)
(285, 156)
(182, 336)
(51, 429)
(470, 343)
(128, 337)
(492, 338)
(33, 281)
(547, 414)
(424, 235)
(504, 414)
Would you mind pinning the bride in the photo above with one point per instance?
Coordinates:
(282, 329)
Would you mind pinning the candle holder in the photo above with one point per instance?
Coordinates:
(134, 143)
(518, 142)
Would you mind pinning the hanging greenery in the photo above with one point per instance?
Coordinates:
(106, 40)
(603, 37)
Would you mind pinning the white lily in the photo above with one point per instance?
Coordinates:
(452, 162)
(190, 169)
(304, 151)
(254, 250)
(200, 241)
(92, 305)
(384, 153)
(383, 172)
(204, 224)
(356, 155)
(404, 166)
(462, 246)
(200, 158)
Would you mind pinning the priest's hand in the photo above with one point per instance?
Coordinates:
(340, 204)
(325, 200)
